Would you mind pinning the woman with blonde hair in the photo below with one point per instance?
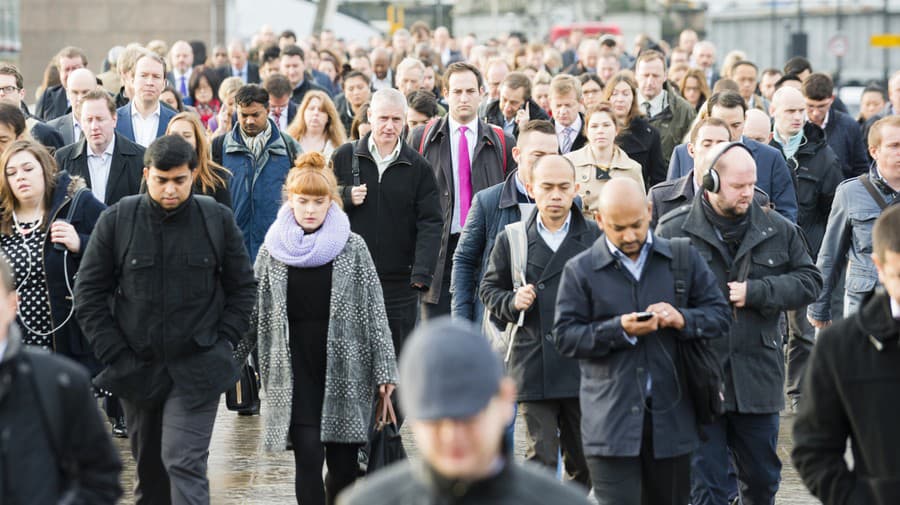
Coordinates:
(324, 342)
(210, 178)
(317, 125)
(221, 122)
(601, 159)
(636, 136)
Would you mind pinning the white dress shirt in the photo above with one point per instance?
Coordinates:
(144, 128)
(99, 165)
(3, 347)
(472, 137)
(657, 103)
(176, 78)
(561, 135)
(895, 309)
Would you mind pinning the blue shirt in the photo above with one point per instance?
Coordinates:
(553, 238)
(634, 267)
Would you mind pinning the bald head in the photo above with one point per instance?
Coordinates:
(737, 180)
(552, 161)
(80, 82)
(181, 56)
(624, 215)
(757, 126)
(788, 109)
(621, 193)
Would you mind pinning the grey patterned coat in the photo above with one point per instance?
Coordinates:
(360, 353)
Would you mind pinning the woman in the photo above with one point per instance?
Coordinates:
(210, 178)
(694, 89)
(540, 90)
(360, 126)
(591, 90)
(601, 159)
(357, 91)
(330, 65)
(676, 74)
(202, 87)
(171, 97)
(42, 248)
(221, 123)
(636, 137)
(317, 125)
(324, 342)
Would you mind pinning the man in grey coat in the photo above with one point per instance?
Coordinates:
(763, 267)
(616, 313)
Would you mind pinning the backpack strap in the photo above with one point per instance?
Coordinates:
(873, 192)
(427, 129)
(502, 135)
(212, 222)
(218, 148)
(126, 212)
(681, 262)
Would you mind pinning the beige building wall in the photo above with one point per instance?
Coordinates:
(97, 25)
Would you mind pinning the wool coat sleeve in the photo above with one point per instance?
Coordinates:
(796, 288)
(467, 260)
(96, 283)
(238, 282)
(496, 290)
(429, 226)
(577, 334)
(821, 431)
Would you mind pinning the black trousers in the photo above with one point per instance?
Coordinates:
(309, 454)
(641, 480)
(442, 307)
(551, 425)
(401, 302)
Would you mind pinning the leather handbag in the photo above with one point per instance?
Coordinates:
(244, 396)
(385, 445)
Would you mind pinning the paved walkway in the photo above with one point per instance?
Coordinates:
(241, 474)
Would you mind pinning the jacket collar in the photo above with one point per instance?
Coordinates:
(509, 194)
(406, 152)
(875, 320)
(601, 257)
(760, 228)
(276, 145)
(683, 187)
(457, 489)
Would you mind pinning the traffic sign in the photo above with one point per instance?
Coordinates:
(837, 45)
(885, 40)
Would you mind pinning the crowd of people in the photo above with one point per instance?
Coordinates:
(410, 221)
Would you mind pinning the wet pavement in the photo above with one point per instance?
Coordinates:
(242, 474)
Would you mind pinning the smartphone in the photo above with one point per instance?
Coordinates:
(644, 316)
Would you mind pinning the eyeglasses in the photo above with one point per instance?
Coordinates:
(6, 90)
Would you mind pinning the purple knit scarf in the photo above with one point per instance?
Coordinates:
(289, 244)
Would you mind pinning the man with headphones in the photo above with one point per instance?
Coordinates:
(763, 268)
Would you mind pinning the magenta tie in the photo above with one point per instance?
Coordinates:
(465, 176)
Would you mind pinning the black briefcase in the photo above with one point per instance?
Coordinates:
(243, 397)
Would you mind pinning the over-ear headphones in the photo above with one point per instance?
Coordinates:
(711, 180)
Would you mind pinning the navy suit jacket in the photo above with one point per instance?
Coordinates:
(126, 129)
(844, 136)
(772, 174)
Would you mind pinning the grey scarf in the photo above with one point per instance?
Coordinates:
(258, 143)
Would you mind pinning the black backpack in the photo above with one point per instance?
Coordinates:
(700, 368)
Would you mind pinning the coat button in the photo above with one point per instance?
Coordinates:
(541, 286)
(635, 409)
(763, 234)
(771, 262)
(134, 261)
(549, 337)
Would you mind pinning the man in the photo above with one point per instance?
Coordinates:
(269, 62)
(817, 173)
(219, 57)
(55, 449)
(758, 126)
(497, 69)
(639, 428)
(767, 82)
(444, 46)
(381, 68)
(181, 57)
(12, 124)
(588, 55)
(515, 106)
(849, 392)
(547, 383)
(745, 74)
(53, 102)
(12, 91)
(81, 82)
(841, 131)
(687, 39)
(670, 195)
(125, 67)
(704, 57)
(666, 110)
(401, 220)
(281, 108)
(109, 78)
(179, 277)
(238, 66)
(763, 267)
(848, 234)
(455, 385)
(565, 102)
(410, 76)
(111, 164)
(259, 156)
(359, 61)
(871, 103)
(492, 209)
(294, 68)
(467, 155)
(772, 174)
(287, 38)
(679, 56)
(607, 67)
(893, 106)
(144, 119)
(357, 91)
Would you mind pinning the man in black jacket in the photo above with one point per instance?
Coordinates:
(515, 106)
(842, 132)
(54, 103)
(850, 391)
(763, 268)
(817, 172)
(50, 430)
(547, 383)
(401, 219)
(177, 273)
(455, 385)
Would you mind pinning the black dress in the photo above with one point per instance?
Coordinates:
(25, 253)
(308, 310)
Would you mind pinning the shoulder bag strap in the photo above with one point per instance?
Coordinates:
(864, 179)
